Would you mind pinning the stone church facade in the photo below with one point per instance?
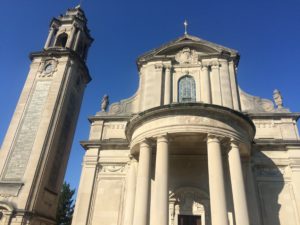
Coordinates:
(189, 148)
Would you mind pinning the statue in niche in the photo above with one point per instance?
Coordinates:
(278, 98)
(104, 103)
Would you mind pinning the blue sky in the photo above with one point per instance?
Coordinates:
(266, 33)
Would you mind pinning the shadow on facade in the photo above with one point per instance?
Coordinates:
(269, 184)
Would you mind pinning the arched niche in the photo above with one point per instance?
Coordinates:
(61, 40)
(189, 201)
(6, 211)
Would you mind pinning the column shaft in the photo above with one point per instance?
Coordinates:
(50, 36)
(218, 203)
(71, 38)
(167, 99)
(215, 84)
(130, 193)
(141, 208)
(237, 186)
(161, 181)
(77, 40)
(205, 85)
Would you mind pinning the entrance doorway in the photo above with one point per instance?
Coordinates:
(189, 220)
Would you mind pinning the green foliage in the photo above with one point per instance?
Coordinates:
(65, 207)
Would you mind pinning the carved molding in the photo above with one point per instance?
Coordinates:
(112, 168)
(187, 56)
(10, 189)
(47, 68)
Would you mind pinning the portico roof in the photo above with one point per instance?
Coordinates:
(205, 48)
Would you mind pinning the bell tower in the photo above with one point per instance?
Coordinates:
(36, 148)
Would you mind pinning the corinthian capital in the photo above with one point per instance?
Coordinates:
(215, 64)
(158, 66)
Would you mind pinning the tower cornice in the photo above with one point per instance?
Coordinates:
(58, 52)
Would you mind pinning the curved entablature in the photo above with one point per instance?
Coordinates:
(190, 118)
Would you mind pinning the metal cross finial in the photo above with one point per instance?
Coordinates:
(185, 27)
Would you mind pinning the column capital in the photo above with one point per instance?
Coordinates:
(163, 138)
(145, 143)
(214, 138)
(168, 67)
(158, 66)
(234, 143)
(205, 66)
(215, 64)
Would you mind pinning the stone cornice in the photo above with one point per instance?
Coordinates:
(273, 142)
(264, 115)
(109, 118)
(104, 144)
(59, 52)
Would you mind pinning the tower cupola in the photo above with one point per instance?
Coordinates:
(69, 31)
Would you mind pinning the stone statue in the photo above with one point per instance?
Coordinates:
(104, 103)
(277, 99)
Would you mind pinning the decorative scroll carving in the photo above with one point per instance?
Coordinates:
(48, 67)
(123, 107)
(112, 168)
(255, 104)
(187, 56)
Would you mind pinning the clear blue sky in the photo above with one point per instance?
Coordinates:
(266, 33)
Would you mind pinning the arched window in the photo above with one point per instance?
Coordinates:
(186, 89)
(61, 40)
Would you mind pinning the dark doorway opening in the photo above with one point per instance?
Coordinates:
(189, 220)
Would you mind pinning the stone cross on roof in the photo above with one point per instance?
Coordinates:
(185, 26)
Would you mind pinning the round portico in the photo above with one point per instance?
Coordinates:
(189, 129)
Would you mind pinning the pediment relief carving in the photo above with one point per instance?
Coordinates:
(187, 56)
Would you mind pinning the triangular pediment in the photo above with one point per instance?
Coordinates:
(202, 47)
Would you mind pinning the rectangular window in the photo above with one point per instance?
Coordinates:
(189, 220)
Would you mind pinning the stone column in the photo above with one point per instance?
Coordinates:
(205, 85)
(167, 99)
(130, 192)
(71, 37)
(215, 83)
(77, 40)
(234, 86)
(141, 208)
(218, 205)
(50, 36)
(161, 181)
(225, 84)
(237, 185)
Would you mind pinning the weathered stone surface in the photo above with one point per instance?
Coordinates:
(21, 148)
